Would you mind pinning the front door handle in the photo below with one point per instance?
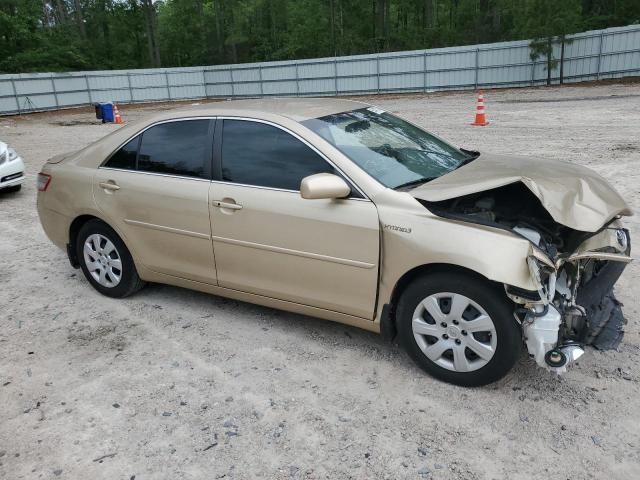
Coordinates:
(227, 205)
(110, 185)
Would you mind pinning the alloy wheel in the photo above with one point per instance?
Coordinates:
(454, 332)
(102, 260)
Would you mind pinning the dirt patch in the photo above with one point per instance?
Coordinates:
(575, 99)
(73, 123)
(626, 147)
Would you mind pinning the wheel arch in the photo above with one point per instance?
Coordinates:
(388, 326)
(74, 228)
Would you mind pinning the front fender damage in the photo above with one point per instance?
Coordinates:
(573, 265)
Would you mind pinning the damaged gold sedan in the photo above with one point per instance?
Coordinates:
(343, 211)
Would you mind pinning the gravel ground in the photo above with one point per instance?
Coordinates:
(177, 384)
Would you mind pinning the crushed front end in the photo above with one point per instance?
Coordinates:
(574, 272)
(574, 304)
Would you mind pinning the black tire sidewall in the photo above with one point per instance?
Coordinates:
(129, 278)
(485, 294)
(14, 189)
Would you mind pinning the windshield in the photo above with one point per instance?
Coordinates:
(391, 150)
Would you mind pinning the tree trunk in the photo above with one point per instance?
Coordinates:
(220, 36)
(387, 16)
(481, 21)
(61, 12)
(380, 24)
(273, 17)
(234, 36)
(341, 42)
(152, 36)
(79, 20)
(428, 14)
(374, 17)
(332, 20)
(106, 12)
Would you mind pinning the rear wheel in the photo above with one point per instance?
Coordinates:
(458, 328)
(106, 261)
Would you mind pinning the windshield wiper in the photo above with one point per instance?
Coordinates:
(414, 183)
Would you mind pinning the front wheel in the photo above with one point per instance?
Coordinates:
(459, 328)
(106, 261)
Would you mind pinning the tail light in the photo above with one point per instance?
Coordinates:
(43, 182)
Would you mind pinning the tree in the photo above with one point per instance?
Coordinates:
(152, 28)
(559, 20)
(46, 35)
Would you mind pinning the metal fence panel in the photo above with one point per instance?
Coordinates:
(610, 53)
(187, 92)
(70, 99)
(9, 104)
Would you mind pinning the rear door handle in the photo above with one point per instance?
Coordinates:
(228, 205)
(110, 185)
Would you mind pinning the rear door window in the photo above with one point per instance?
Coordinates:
(182, 148)
(176, 148)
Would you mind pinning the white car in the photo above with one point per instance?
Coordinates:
(11, 169)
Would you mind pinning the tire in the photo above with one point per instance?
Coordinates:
(459, 351)
(14, 189)
(106, 252)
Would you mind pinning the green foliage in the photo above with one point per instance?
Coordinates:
(59, 35)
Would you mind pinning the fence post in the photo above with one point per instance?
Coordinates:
(166, 80)
(233, 90)
(55, 93)
(130, 88)
(533, 71)
(204, 83)
(297, 82)
(335, 74)
(86, 81)
(477, 66)
(424, 75)
(15, 94)
(599, 55)
(260, 77)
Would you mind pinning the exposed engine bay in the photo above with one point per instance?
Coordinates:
(574, 272)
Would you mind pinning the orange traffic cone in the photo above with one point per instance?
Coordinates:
(117, 117)
(481, 118)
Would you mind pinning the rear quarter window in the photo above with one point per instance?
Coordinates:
(125, 158)
(176, 148)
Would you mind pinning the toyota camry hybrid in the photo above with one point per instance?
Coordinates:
(340, 210)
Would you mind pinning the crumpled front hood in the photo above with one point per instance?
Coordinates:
(574, 196)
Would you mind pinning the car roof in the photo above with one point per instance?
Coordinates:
(297, 109)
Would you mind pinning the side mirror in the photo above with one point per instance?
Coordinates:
(323, 185)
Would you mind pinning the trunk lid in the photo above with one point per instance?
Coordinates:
(61, 157)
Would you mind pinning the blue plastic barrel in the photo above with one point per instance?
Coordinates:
(107, 112)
